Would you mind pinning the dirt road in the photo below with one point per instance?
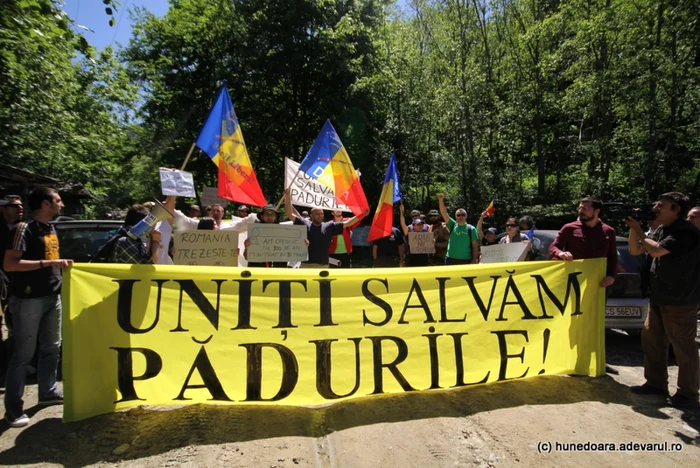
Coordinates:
(504, 424)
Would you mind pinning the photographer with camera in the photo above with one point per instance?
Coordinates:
(588, 237)
(674, 299)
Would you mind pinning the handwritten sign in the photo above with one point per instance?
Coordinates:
(307, 191)
(500, 253)
(210, 196)
(277, 242)
(421, 242)
(214, 248)
(177, 183)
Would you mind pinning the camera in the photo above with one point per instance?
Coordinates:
(622, 211)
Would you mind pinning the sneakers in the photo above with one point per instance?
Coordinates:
(55, 398)
(17, 422)
(647, 389)
(680, 401)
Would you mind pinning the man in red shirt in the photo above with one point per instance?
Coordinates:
(588, 237)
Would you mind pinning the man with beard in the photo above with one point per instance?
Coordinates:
(441, 236)
(588, 237)
(33, 263)
(674, 280)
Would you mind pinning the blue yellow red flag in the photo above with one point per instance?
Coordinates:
(391, 193)
(328, 162)
(222, 140)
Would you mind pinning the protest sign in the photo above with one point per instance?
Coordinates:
(421, 242)
(307, 191)
(214, 248)
(177, 183)
(500, 253)
(210, 197)
(277, 243)
(172, 335)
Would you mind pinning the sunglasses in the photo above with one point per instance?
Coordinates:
(511, 225)
(460, 215)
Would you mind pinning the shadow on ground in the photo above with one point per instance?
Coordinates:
(151, 432)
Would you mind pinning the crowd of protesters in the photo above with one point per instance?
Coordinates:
(31, 269)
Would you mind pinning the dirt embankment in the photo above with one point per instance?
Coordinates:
(503, 424)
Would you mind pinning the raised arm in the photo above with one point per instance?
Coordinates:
(355, 219)
(441, 206)
(289, 209)
(480, 227)
(404, 228)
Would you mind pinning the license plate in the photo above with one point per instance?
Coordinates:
(619, 311)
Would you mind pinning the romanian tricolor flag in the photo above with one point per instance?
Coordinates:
(490, 210)
(329, 163)
(391, 193)
(221, 139)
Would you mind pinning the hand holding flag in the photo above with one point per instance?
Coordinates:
(491, 209)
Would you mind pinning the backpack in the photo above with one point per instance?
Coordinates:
(104, 255)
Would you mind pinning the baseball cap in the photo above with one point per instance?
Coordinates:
(415, 213)
(195, 207)
(492, 229)
(417, 221)
(243, 208)
(268, 208)
(433, 213)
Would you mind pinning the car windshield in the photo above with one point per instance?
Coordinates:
(81, 242)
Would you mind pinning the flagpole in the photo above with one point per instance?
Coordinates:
(277, 207)
(188, 156)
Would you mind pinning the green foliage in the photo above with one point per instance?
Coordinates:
(534, 104)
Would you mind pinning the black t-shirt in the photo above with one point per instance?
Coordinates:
(319, 238)
(674, 278)
(37, 241)
(389, 246)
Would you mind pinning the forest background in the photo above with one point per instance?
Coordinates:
(533, 103)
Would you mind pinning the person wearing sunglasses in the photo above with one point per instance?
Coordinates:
(513, 232)
(463, 245)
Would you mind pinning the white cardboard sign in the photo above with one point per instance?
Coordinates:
(501, 253)
(214, 248)
(421, 242)
(277, 243)
(307, 191)
(178, 183)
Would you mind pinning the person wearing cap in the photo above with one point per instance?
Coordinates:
(305, 214)
(417, 225)
(463, 246)
(341, 245)
(319, 234)
(489, 237)
(268, 215)
(243, 211)
(195, 212)
(441, 237)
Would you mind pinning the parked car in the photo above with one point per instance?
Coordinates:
(627, 304)
(81, 240)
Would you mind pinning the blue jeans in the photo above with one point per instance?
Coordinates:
(33, 318)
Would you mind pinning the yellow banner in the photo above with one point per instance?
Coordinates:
(171, 335)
